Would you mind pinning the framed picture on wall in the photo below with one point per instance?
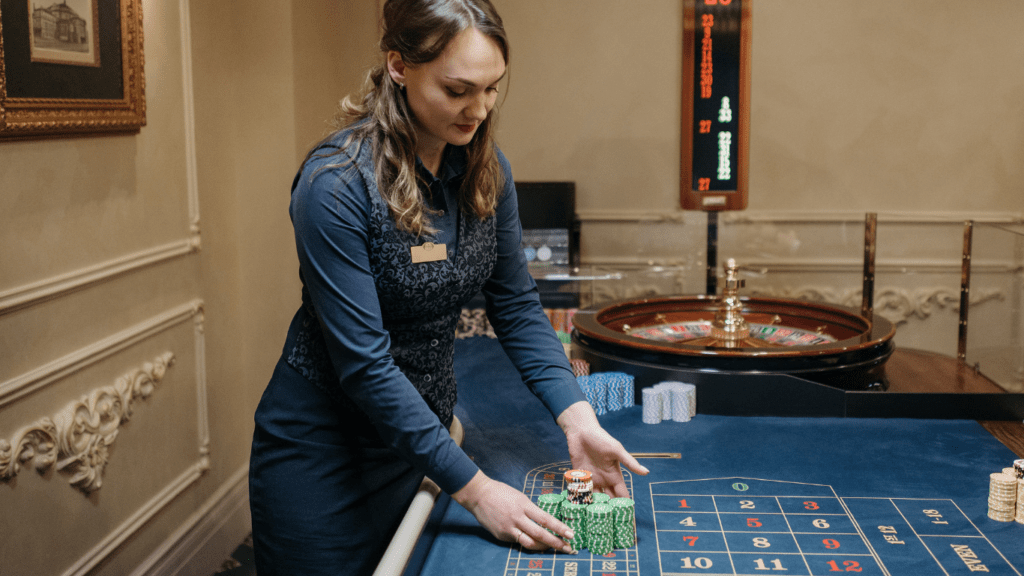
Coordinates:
(71, 68)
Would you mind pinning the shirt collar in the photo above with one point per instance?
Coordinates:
(453, 165)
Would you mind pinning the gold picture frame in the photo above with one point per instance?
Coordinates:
(47, 99)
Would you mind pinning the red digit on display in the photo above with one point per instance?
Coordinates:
(705, 126)
(703, 184)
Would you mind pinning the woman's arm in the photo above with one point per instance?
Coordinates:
(331, 215)
(528, 338)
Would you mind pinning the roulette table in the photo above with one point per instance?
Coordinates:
(735, 494)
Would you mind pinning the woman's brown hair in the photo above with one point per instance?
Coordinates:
(419, 30)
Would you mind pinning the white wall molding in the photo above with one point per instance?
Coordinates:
(896, 304)
(53, 371)
(98, 414)
(137, 520)
(821, 264)
(76, 438)
(63, 284)
(191, 170)
(223, 517)
(815, 217)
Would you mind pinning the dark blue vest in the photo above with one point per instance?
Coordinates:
(420, 303)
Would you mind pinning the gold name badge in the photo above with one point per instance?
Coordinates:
(429, 252)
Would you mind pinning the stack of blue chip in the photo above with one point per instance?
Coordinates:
(608, 391)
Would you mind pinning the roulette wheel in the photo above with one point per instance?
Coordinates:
(711, 340)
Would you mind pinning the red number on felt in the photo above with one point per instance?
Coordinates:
(682, 504)
(830, 543)
(850, 566)
(536, 564)
(753, 522)
(691, 540)
(811, 506)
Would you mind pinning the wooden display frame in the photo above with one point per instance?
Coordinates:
(44, 99)
(697, 191)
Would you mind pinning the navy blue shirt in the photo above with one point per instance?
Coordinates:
(331, 210)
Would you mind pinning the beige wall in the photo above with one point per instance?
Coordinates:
(118, 250)
(913, 110)
(855, 106)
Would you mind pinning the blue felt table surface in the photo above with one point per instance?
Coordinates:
(509, 433)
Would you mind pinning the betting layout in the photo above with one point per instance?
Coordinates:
(743, 526)
(750, 527)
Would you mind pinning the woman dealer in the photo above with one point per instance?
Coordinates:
(400, 218)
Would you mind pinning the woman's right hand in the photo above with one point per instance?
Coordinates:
(510, 516)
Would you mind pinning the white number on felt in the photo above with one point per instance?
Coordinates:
(702, 563)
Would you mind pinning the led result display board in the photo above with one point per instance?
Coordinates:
(716, 104)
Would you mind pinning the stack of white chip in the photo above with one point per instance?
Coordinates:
(676, 401)
(1019, 516)
(652, 405)
(1002, 496)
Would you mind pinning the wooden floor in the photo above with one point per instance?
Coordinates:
(919, 371)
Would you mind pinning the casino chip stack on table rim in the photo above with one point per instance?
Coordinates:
(676, 401)
(1006, 494)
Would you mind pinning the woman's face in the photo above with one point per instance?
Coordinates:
(451, 95)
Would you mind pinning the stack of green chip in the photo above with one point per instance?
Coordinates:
(600, 529)
(624, 521)
(600, 498)
(575, 517)
(551, 503)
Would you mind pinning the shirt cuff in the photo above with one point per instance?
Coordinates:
(458, 474)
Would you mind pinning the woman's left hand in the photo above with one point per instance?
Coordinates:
(592, 448)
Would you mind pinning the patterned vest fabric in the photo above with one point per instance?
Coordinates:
(420, 303)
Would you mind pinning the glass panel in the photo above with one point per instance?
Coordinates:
(995, 323)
